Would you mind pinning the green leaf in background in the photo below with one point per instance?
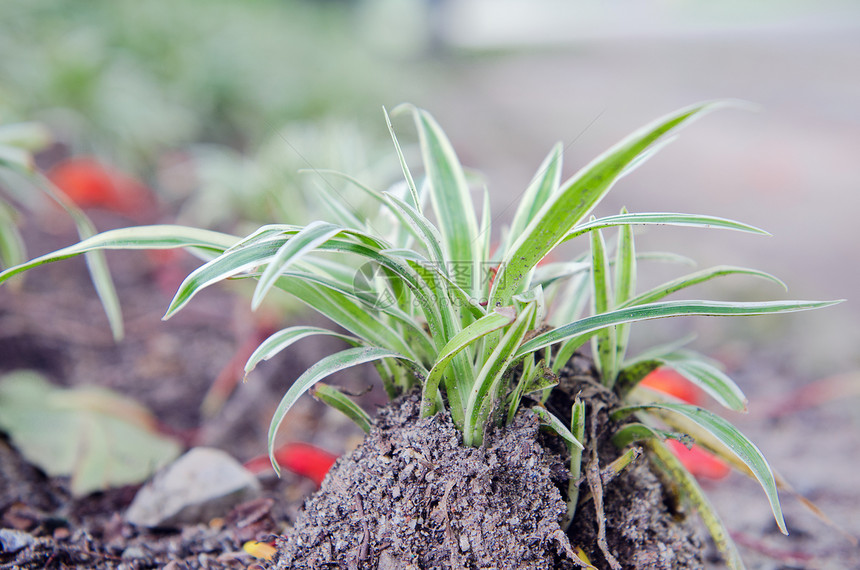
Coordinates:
(93, 435)
(12, 249)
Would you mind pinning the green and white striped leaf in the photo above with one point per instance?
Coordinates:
(308, 239)
(423, 229)
(449, 194)
(577, 429)
(231, 263)
(493, 321)
(280, 340)
(410, 181)
(663, 219)
(708, 376)
(666, 289)
(140, 237)
(577, 198)
(551, 421)
(486, 388)
(604, 341)
(589, 325)
(324, 368)
(625, 286)
(729, 436)
(350, 314)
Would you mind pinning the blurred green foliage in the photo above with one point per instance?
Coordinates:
(129, 79)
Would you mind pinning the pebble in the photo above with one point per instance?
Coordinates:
(464, 543)
(133, 552)
(12, 541)
(202, 484)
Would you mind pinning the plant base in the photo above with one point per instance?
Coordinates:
(412, 496)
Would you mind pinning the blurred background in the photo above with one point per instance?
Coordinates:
(204, 113)
(209, 110)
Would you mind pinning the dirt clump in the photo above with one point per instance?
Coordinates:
(412, 496)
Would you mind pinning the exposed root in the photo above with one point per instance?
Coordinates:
(592, 474)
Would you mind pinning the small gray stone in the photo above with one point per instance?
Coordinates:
(14, 540)
(202, 484)
(464, 543)
(133, 552)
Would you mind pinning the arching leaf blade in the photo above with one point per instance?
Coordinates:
(577, 198)
(326, 367)
(695, 278)
(589, 325)
(493, 321)
(283, 338)
(729, 436)
(139, 237)
(663, 219)
(333, 397)
(310, 237)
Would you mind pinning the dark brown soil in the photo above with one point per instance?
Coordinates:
(412, 496)
(646, 525)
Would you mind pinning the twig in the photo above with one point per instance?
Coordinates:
(592, 474)
(365, 540)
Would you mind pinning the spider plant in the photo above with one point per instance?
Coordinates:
(421, 294)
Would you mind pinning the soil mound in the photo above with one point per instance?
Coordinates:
(412, 496)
